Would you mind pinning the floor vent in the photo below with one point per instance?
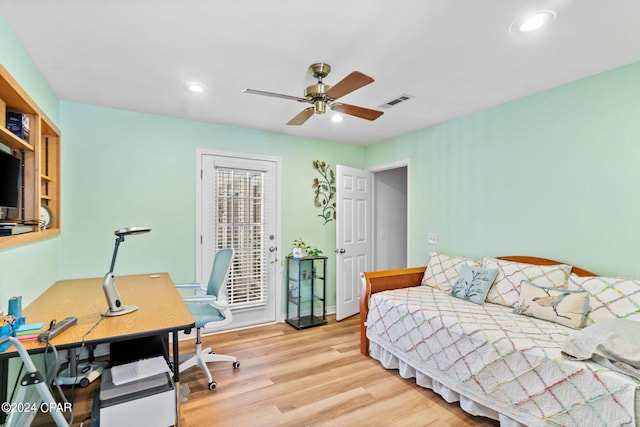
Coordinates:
(397, 100)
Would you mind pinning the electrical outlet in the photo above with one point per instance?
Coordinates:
(432, 238)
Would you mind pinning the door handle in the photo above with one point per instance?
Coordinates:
(273, 249)
(340, 251)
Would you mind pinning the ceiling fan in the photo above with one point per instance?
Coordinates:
(320, 95)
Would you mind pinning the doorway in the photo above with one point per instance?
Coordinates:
(372, 227)
(390, 219)
(238, 207)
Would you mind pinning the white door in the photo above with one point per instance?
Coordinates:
(353, 242)
(239, 209)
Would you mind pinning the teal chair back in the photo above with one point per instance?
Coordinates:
(219, 273)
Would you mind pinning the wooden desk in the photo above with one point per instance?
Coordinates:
(161, 311)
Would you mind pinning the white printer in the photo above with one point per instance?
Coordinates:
(149, 401)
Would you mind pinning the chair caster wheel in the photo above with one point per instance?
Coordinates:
(84, 382)
(236, 365)
(212, 385)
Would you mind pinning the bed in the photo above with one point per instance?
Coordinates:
(494, 362)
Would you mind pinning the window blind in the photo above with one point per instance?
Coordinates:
(240, 225)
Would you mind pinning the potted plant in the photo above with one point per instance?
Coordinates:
(300, 249)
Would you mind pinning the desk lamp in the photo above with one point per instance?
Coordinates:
(116, 308)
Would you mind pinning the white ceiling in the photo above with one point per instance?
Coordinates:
(454, 56)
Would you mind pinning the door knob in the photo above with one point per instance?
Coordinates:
(340, 251)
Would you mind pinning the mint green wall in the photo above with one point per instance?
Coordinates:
(122, 168)
(29, 269)
(553, 175)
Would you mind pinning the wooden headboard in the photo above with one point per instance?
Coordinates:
(378, 281)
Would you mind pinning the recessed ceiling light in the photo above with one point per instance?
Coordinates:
(532, 22)
(195, 87)
(336, 118)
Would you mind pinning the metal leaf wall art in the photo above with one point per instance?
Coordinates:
(324, 190)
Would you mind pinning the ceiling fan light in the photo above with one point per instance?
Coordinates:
(195, 87)
(321, 106)
(532, 22)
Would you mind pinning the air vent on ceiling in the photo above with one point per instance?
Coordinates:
(397, 100)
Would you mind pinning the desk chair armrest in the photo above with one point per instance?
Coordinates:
(201, 299)
(188, 285)
(191, 289)
(208, 299)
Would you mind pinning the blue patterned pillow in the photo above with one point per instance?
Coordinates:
(473, 283)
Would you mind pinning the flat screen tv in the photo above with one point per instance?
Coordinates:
(9, 180)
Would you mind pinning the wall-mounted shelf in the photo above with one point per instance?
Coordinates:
(41, 154)
(10, 140)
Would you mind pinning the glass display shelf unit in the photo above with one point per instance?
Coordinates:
(307, 289)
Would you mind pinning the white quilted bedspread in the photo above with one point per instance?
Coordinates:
(505, 361)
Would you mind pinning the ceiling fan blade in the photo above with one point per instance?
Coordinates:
(302, 117)
(353, 81)
(275, 95)
(353, 110)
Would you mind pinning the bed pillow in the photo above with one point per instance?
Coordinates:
(559, 305)
(506, 288)
(443, 270)
(473, 283)
(610, 297)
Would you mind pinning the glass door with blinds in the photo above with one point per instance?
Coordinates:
(238, 209)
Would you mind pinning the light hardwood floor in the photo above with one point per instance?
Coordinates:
(313, 377)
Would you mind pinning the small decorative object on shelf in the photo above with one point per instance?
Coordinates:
(46, 217)
(306, 303)
(297, 252)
